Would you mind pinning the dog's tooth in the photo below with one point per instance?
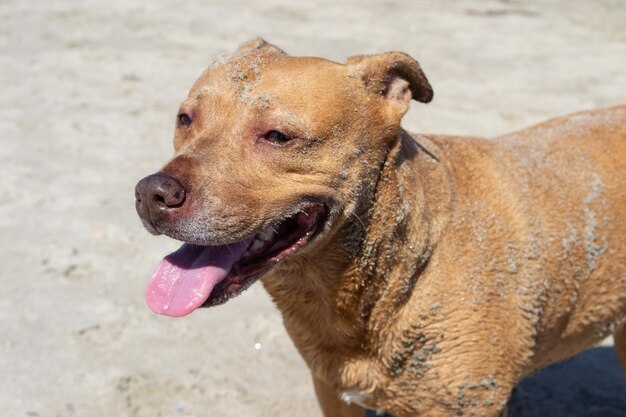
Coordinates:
(256, 245)
(267, 234)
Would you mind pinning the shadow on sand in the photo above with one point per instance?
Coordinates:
(590, 384)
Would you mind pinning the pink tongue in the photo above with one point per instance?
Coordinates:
(183, 281)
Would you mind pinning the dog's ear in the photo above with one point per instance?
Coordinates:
(260, 45)
(395, 76)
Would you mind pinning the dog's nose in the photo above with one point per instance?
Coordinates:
(156, 194)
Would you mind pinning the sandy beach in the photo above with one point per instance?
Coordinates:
(89, 93)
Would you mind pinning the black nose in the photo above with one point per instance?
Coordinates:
(156, 195)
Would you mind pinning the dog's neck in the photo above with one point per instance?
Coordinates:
(399, 240)
(343, 296)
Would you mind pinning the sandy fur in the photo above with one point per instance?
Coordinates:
(449, 268)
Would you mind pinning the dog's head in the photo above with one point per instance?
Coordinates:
(272, 154)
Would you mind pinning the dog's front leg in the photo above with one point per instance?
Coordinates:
(332, 405)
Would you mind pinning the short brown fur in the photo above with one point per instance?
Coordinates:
(451, 267)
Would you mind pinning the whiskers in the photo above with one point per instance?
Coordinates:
(360, 221)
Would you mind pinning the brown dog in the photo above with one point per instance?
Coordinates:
(420, 275)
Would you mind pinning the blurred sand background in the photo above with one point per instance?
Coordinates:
(88, 95)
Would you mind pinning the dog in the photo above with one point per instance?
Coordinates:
(419, 275)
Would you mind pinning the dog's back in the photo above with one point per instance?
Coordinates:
(558, 189)
(575, 171)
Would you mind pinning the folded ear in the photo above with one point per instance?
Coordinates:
(395, 76)
(259, 44)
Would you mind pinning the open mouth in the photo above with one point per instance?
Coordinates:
(201, 276)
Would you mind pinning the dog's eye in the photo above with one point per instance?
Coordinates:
(276, 137)
(184, 119)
